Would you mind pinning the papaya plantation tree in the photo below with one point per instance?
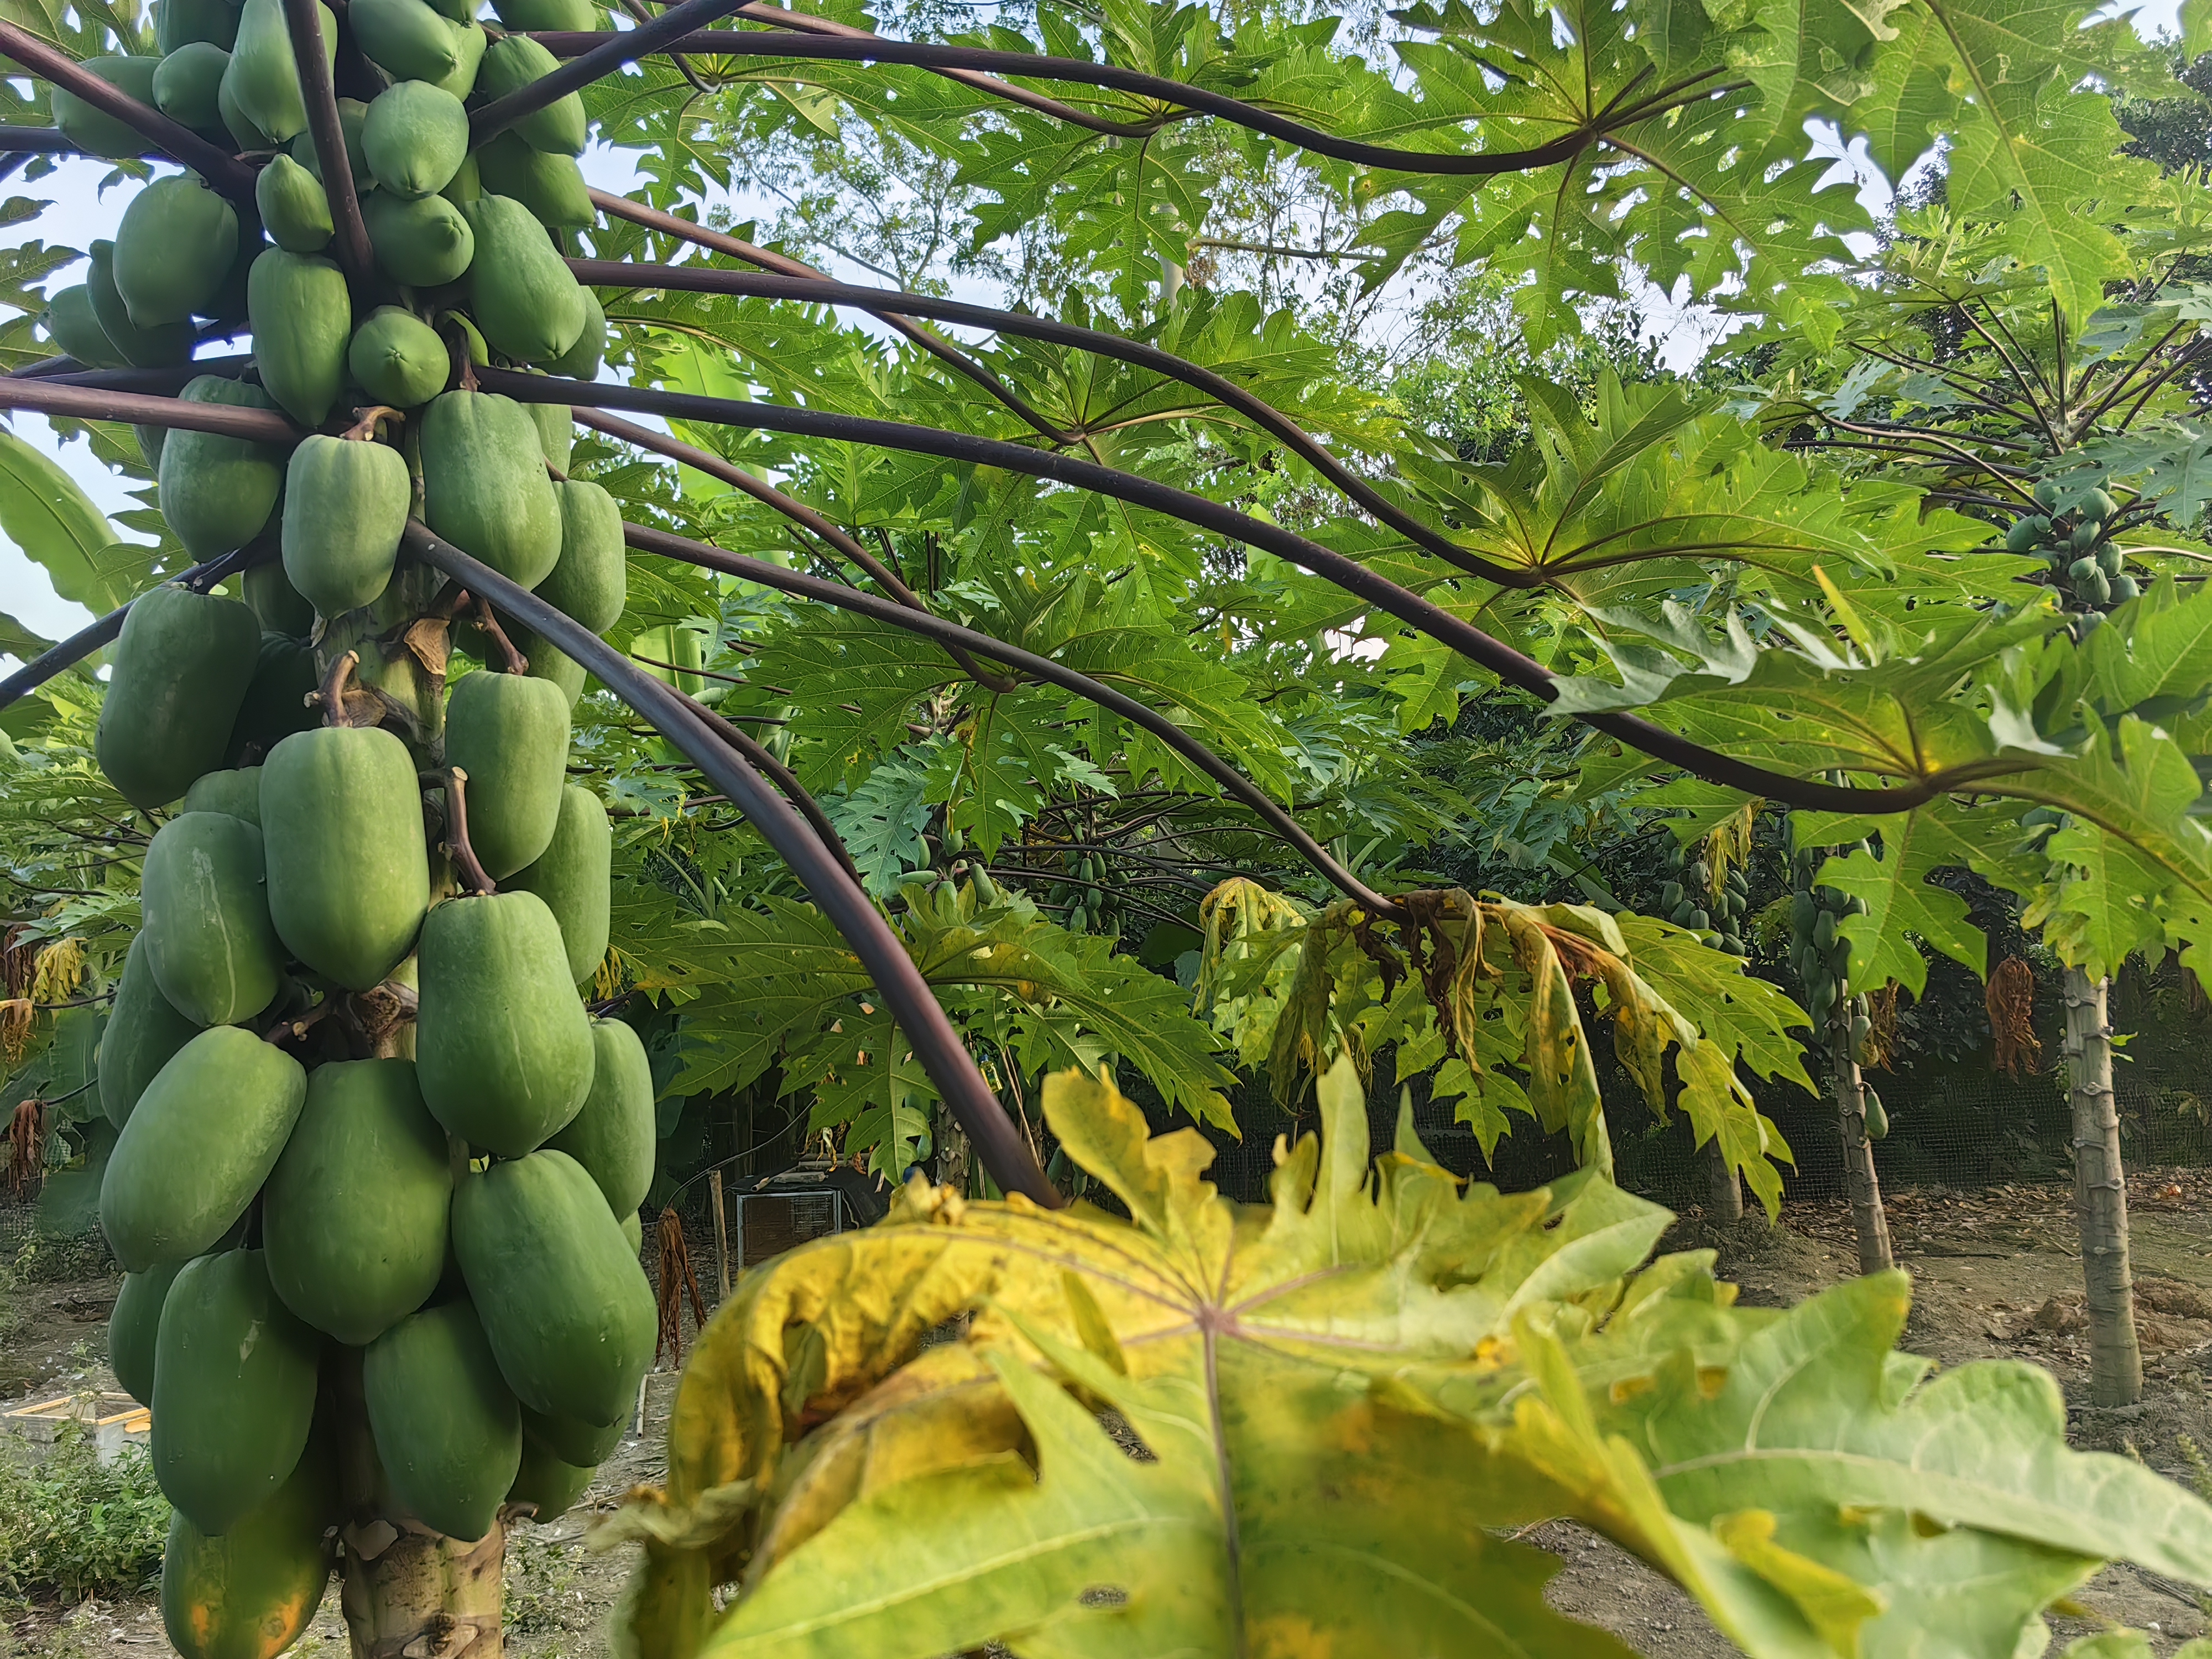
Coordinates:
(899, 639)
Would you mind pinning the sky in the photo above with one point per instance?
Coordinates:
(80, 215)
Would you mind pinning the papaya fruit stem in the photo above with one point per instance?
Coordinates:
(291, 1030)
(330, 698)
(510, 659)
(363, 430)
(474, 876)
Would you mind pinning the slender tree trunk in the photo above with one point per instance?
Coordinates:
(2100, 1196)
(1723, 1186)
(1868, 1218)
(407, 1592)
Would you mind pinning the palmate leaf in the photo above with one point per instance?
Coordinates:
(1342, 1399)
(54, 524)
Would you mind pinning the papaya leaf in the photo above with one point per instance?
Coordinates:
(1335, 1403)
(51, 520)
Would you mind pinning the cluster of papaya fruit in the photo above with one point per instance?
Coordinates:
(1685, 897)
(1821, 957)
(2072, 532)
(323, 1206)
(463, 234)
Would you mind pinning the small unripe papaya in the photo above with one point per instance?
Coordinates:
(302, 319)
(423, 243)
(2027, 534)
(235, 121)
(539, 16)
(468, 44)
(235, 790)
(581, 362)
(571, 875)
(181, 23)
(188, 87)
(173, 250)
(448, 1430)
(550, 184)
(142, 347)
(180, 672)
(510, 734)
(281, 607)
(348, 868)
(346, 505)
(208, 941)
(546, 1483)
(548, 661)
(556, 434)
(294, 210)
(93, 131)
(415, 138)
(216, 491)
(264, 77)
(405, 38)
(134, 1326)
(484, 484)
(525, 299)
(276, 703)
(591, 583)
(352, 114)
(612, 1135)
(77, 331)
(503, 1047)
(399, 358)
(513, 63)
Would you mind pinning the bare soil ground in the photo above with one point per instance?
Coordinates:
(1995, 1274)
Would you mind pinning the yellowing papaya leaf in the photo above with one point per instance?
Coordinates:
(1300, 1428)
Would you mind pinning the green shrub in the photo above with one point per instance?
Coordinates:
(74, 1527)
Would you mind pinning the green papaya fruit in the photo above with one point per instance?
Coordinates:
(276, 703)
(181, 23)
(399, 358)
(535, 16)
(415, 138)
(199, 1144)
(280, 606)
(466, 184)
(550, 184)
(77, 331)
(571, 876)
(2112, 558)
(180, 673)
(229, 304)
(586, 1445)
(173, 250)
(448, 1432)
(524, 296)
(563, 1300)
(556, 436)
(549, 662)
(217, 492)
(253, 1592)
(142, 1034)
(352, 1219)
(613, 1136)
(484, 486)
(1824, 929)
(302, 319)
(96, 131)
(208, 941)
(2027, 534)
(2124, 588)
(348, 869)
(235, 121)
(405, 38)
(503, 1047)
(469, 43)
(346, 505)
(352, 115)
(512, 64)
(581, 361)
(1670, 895)
(142, 347)
(1699, 921)
(188, 87)
(549, 1487)
(236, 792)
(234, 1391)
(135, 1324)
(633, 1229)
(294, 210)
(509, 734)
(455, 11)
(1877, 1120)
(422, 243)
(264, 77)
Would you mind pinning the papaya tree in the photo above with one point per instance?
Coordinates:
(369, 896)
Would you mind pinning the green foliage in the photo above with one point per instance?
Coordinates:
(1377, 1367)
(74, 1525)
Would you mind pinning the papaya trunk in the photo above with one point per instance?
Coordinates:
(1723, 1187)
(408, 1593)
(1868, 1220)
(2100, 1196)
(954, 1153)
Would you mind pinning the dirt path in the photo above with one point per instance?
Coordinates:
(1995, 1274)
